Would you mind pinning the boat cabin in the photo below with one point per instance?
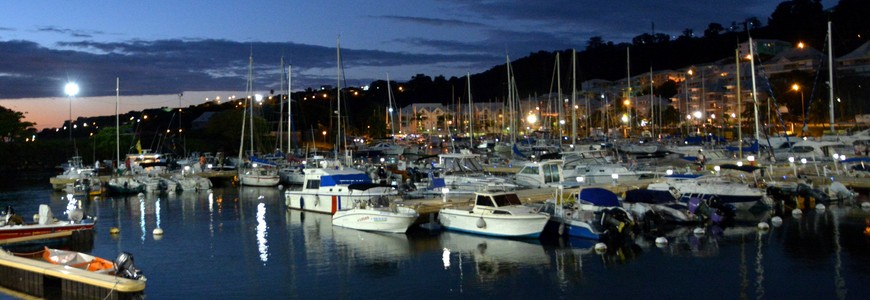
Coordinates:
(460, 163)
(497, 200)
(541, 174)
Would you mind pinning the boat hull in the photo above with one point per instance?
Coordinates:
(375, 220)
(329, 203)
(514, 226)
(574, 228)
(18, 231)
(737, 195)
(258, 180)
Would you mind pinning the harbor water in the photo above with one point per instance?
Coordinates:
(242, 243)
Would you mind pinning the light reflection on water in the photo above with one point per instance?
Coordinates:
(235, 244)
(261, 233)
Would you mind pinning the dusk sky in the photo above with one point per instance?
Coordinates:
(168, 47)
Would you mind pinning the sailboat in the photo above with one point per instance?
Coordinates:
(257, 172)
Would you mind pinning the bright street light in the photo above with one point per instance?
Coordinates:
(71, 89)
(532, 119)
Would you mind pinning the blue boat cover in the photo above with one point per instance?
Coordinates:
(599, 197)
(517, 152)
(331, 180)
(261, 161)
(648, 196)
(438, 183)
(856, 159)
(750, 148)
(744, 168)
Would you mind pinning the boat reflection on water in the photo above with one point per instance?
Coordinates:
(325, 245)
(492, 258)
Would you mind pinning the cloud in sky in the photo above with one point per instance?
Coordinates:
(169, 66)
(172, 46)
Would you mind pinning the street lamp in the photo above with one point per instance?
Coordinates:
(71, 89)
(797, 88)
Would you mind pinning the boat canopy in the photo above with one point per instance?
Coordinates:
(648, 196)
(365, 186)
(331, 180)
(744, 168)
(683, 176)
(599, 197)
(262, 161)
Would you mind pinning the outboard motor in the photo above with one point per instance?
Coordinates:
(124, 267)
(615, 219)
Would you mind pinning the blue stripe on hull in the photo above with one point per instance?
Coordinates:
(577, 231)
(571, 231)
(534, 235)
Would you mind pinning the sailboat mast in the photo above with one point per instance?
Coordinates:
(281, 109)
(559, 102)
(831, 78)
(628, 86)
(338, 95)
(739, 107)
(754, 95)
(573, 98)
(390, 107)
(251, 100)
(470, 113)
(117, 122)
(652, 111)
(180, 132)
(244, 109)
(510, 104)
(289, 108)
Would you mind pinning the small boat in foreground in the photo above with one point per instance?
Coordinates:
(495, 214)
(54, 273)
(371, 217)
(13, 226)
(594, 213)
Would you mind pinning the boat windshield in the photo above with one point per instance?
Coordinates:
(802, 149)
(465, 164)
(507, 200)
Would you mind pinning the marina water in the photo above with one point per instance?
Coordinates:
(242, 243)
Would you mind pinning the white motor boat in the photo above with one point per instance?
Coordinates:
(464, 172)
(595, 214)
(328, 190)
(292, 175)
(813, 151)
(259, 175)
(542, 174)
(153, 183)
(727, 190)
(73, 170)
(369, 217)
(597, 170)
(383, 148)
(495, 214)
(188, 182)
(125, 185)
